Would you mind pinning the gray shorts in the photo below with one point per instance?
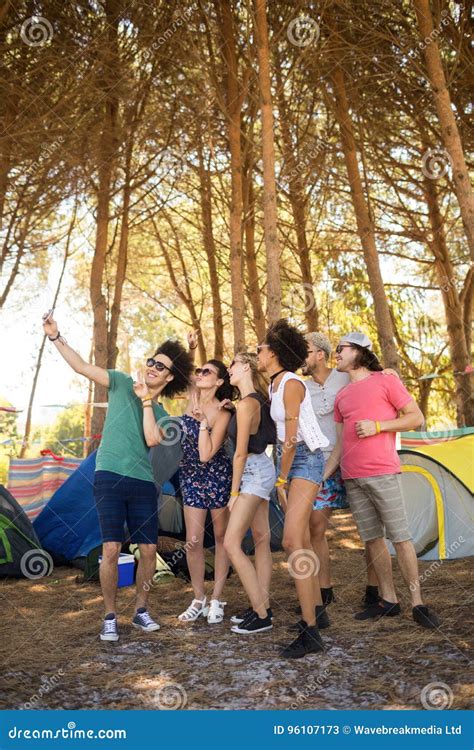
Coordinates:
(259, 476)
(377, 502)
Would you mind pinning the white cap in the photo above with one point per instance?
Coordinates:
(358, 338)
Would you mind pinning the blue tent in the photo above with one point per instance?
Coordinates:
(68, 526)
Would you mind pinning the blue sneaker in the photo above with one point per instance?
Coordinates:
(143, 621)
(109, 630)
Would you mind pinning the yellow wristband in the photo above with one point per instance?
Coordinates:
(148, 397)
(377, 427)
(280, 481)
(234, 494)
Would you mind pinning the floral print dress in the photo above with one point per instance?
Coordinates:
(203, 485)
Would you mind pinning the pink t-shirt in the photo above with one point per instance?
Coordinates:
(378, 397)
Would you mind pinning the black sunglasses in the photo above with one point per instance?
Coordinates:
(160, 366)
(204, 371)
(340, 347)
(260, 347)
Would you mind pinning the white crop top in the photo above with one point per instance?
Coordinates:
(309, 430)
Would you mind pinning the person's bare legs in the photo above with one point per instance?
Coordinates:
(220, 518)
(407, 560)
(241, 517)
(195, 518)
(372, 579)
(382, 565)
(108, 574)
(296, 539)
(263, 555)
(319, 524)
(145, 572)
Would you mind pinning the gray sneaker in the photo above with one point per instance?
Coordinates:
(109, 630)
(143, 621)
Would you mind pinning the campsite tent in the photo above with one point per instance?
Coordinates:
(438, 484)
(20, 550)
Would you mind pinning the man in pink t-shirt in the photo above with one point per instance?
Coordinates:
(368, 413)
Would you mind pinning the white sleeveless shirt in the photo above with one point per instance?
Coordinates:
(309, 430)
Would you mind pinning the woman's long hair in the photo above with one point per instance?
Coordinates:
(260, 382)
(226, 390)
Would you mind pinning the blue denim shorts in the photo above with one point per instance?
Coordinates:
(259, 476)
(121, 500)
(306, 464)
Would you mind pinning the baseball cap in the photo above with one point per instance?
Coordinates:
(358, 338)
(319, 341)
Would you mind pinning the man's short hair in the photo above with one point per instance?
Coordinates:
(319, 341)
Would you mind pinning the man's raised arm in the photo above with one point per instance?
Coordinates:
(74, 360)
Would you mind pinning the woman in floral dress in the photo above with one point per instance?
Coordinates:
(205, 479)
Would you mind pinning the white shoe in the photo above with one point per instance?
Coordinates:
(216, 612)
(197, 608)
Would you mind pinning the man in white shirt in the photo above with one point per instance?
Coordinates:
(324, 384)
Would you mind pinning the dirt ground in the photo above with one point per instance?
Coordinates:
(52, 657)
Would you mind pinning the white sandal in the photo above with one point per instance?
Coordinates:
(193, 611)
(216, 612)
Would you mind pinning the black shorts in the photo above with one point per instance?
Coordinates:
(120, 499)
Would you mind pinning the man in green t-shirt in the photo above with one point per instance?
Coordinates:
(124, 490)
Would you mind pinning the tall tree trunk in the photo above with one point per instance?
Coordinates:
(447, 120)
(106, 158)
(210, 249)
(39, 359)
(364, 224)
(255, 296)
(121, 271)
(453, 309)
(268, 157)
(234, 100)
(298, 208)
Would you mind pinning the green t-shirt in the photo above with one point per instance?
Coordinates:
(123, 449)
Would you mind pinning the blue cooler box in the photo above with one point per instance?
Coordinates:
(126, 569)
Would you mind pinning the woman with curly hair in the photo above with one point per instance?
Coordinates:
(251, 429)
(300, 470)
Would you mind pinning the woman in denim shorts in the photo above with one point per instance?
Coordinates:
(300, 468)
(251, 429)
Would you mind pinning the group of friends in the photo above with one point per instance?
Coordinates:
(334, 435)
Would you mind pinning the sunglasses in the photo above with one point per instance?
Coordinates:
(340, 347)
(234, 362)
(260, 347)
(160, 366)
(204, 371)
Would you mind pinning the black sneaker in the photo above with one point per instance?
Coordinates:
(253, 624)
(308, 641)
(240, 618)
(237, 619)
(322, 619)
(371, 596)
(424, 617)
(327, 595)
(382, 609)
